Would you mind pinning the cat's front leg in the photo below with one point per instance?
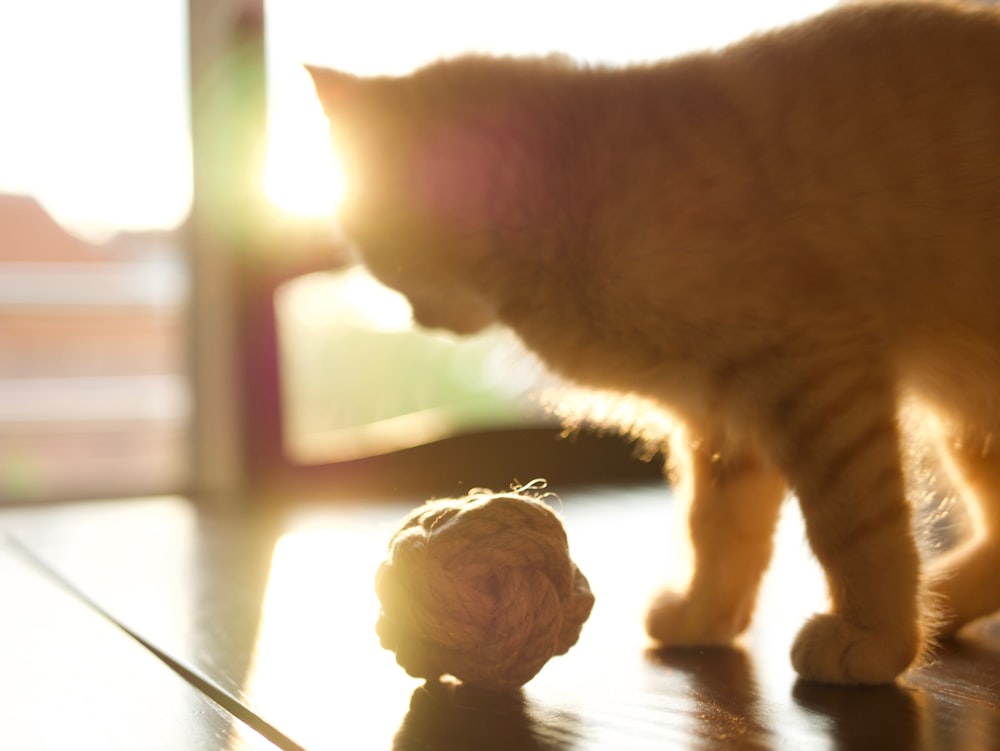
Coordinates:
(837, 439)
(734, 503)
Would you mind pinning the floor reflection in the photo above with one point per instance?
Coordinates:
(958, 691)
(866, 717)
(278, 610)
(452, 716)
(724, 695)
(227, 576)
(317, 665)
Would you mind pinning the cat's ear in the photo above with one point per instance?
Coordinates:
(336, 90)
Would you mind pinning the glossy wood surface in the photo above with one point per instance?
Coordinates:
(275, 612)
(70, 679)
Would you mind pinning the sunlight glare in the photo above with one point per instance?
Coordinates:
(301, 175)
(317, 639)
(95, 103)
(347, 299)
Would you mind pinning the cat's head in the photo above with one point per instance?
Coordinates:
(434, 170)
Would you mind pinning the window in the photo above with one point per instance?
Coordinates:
(94, 143)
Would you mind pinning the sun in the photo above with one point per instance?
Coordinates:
(302, 177)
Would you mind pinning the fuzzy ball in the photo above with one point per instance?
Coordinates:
(481, 588)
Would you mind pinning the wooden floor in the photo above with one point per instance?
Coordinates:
(145, 624)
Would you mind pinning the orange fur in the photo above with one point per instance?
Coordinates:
(773, 243)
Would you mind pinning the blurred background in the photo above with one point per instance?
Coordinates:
(166, 198)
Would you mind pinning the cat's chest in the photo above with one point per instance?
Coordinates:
(671, 377)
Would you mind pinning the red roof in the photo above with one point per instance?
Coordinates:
(28, 233)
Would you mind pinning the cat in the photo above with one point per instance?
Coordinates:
(774, 242)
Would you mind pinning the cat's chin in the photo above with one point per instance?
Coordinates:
(460, 329)
(470, 329)
(464, 321)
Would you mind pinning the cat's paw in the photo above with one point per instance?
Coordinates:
(832, 650)
(676, 620)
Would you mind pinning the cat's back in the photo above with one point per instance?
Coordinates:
(879, 123)
(950, 37)
(859, 101)
(861, 62)
(884, 121)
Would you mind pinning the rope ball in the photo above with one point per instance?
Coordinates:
(481, 588)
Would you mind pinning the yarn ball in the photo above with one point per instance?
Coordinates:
(481, 588)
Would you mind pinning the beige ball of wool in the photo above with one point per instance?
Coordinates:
(481, 588)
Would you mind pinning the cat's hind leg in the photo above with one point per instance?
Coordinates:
(965, 583)
(734, 504)
(836, 435)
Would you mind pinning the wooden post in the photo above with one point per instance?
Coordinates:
(226, 232)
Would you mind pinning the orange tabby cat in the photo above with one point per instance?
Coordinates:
(774, 242)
